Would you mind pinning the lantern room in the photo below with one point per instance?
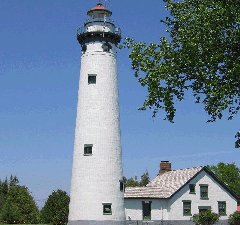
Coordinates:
(99, 11)
(99, 27)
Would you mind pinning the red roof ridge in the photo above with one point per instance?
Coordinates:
(100, 7)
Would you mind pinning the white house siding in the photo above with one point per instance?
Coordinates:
(169, 211)
(215, 193)
(133, 209)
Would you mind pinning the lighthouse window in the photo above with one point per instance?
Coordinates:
(84, 48)
(107, 208)
(88, 149)
(121, 185)
(106, 47)
(92, 78)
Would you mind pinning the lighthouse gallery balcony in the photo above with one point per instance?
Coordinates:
(99, 28)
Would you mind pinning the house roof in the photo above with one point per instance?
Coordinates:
(163, 186)
(166, 185)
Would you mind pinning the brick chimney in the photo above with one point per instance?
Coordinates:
(165, 166)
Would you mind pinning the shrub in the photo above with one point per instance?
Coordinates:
(205, 218)
(19, 207)
(234, 219)
(55, 210)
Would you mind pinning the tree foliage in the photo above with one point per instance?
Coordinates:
(3, 192)
(144, 179)
(234, 219)
(19, 207)
(56, 208)
(205, 218)
(131, 182)
(134, 182)
(237, 143)
(201, 55)
(13, 181)
(228, 173)
(4, 188)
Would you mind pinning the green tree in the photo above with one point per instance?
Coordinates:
(205, 218)
(19, 207)
(200, 55)
(13, 181)
(4, 187)
(3, 192)
(134, 182)
(144, 179)
(131, 182)
(56, 208)
(237, 143)
(228, 173)
(234, 219)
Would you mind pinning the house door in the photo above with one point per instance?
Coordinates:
(146, 210)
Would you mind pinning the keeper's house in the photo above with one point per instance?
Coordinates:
(174, 196)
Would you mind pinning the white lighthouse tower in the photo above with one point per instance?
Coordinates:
(97, 180)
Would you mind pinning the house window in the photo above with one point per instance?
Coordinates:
(88, 149)
(107, 208)
(187, 208)
(203, 191)
(92, 78)
(192, 188)
(121, 185)
(204, 208)
(222, 208)
(146, 210)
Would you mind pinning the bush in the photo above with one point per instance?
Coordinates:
(205, 218)
(55, 210)
(19, 207)
(234, 219)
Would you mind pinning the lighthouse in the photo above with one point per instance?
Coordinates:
(97, 189)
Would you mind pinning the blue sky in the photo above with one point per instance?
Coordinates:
(39, 73)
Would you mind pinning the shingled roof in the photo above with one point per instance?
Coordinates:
(163, 186)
